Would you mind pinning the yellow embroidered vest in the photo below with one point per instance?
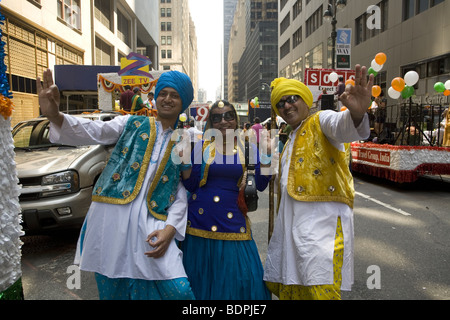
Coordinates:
(318, 171)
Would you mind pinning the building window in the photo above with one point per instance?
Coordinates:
(297, 9)
(163, 40)
(422, 5)
(285, 23)
(103, 53)
(36, 2)
(70, 12)
(313, 58)
(163, 54)
(297, 38)
(163, 12)
(102, 12)
(285, 49)
(297, 69)
(436, 2)
(414, 7)
(314, 22)
(123, 28)
(163, 26)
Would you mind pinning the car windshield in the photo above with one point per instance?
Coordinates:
(32, 135)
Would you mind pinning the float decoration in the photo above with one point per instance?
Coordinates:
(404, 87)
(109, 86)
(398, 163)
(10, 217)
(401, 164)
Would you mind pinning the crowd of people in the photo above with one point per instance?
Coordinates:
(159, 228)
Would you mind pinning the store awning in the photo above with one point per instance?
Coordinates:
(80, 78)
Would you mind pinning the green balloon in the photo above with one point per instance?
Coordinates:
(372, 71)
(407, 92)
(439, 87)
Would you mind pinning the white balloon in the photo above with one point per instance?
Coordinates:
(447, 85)
(411, 78)
(375, 66)
(393, 93)
(334, 77)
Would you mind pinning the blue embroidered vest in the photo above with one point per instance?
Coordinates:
(122, 179)
(213, 210)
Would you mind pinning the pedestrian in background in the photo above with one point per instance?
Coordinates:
(125, 98)
(340, 90)
(136, 102)
(257, 127)
(310, 254)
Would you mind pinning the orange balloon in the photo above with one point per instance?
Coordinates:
(343, 108)
(398, 84)
(380, 58)
(376, 91)
(350, 81)
(447, 93)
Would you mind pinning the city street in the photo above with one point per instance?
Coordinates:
(402, 251)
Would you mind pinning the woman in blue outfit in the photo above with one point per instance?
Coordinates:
(219, 254)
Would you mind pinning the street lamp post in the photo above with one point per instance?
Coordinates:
(330, 16)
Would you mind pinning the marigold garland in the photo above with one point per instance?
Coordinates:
(10, 216)
(6, 107)
(109, 86)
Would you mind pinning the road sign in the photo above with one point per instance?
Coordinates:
(343, 48)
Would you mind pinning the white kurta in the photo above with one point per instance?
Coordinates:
(301, 249)
(115, 240)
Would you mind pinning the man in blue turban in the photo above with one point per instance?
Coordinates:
(139, 205)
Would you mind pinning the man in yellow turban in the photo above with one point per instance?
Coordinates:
(310, 254)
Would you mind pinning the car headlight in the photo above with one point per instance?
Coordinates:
(60, 183)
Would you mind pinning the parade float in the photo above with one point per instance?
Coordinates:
(111, 86)
(10, 218)
(134, 72)
(410, 151)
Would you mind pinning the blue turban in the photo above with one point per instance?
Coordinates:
(178, 81)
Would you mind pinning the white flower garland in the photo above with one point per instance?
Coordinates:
(10, 217)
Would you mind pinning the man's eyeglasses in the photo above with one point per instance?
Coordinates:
(290, 100)
(217, 117)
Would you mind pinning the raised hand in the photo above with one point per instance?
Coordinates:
(357, 98)
(49, 98)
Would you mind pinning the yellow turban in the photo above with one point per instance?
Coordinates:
(285, 87)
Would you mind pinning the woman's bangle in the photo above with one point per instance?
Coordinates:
(265, 159)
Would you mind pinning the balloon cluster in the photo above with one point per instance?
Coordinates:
(403, 87)
(440, 87)
(376, 66)
(254, 103)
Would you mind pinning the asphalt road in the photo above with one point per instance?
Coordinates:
(402, 246)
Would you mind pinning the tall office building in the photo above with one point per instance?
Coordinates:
(229, 9)
(178, 40)
(411, 33)
(254, 54)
